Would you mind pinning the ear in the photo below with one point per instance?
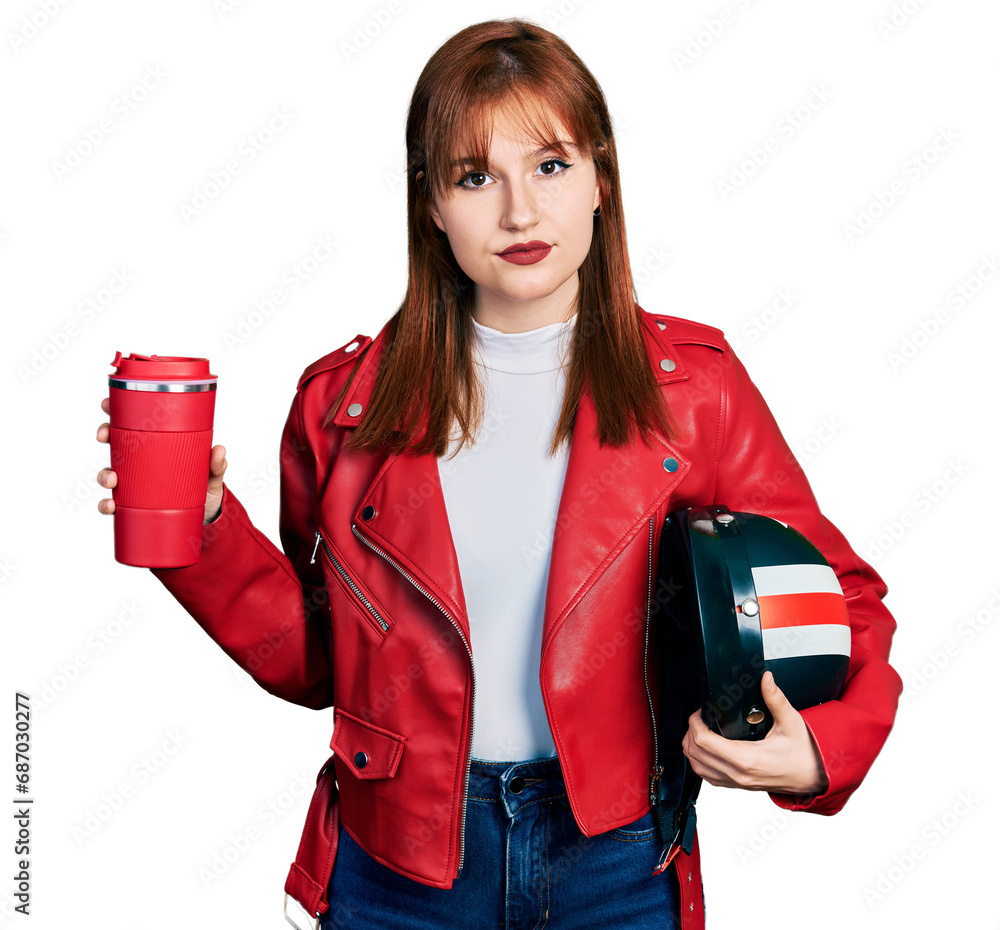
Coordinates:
(597, 196)
(436, 216)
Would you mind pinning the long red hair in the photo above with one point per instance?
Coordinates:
(518, 68)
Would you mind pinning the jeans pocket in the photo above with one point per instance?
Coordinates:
(638, 831)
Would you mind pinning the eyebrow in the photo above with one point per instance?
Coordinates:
(458, 162)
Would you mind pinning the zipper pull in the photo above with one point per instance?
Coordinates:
(313, 559)
(655, 772)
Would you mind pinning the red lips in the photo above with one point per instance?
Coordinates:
(526, 246)
(525, 253)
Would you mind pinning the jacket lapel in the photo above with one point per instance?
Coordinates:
(608, 496)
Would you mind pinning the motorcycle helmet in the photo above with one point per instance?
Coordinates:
(747, 594)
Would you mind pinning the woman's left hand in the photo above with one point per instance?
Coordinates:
(786, 761)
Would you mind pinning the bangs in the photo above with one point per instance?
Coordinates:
(464, 142)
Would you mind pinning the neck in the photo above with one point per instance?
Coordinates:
(521, 316)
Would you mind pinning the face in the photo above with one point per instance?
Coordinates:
(528, 195)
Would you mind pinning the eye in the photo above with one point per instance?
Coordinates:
(468, 177)
(477, 180)
(555, 161)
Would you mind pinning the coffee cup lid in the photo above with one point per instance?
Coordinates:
(161, 367)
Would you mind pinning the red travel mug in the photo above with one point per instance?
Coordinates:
(162, 410)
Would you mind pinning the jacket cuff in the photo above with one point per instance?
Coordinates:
(844, 771)
(245, 594)
(826, 802)
(219, 540)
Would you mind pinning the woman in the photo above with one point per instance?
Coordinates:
(488, 477)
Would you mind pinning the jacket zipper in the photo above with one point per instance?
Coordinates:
(343, 574)
(472, 668)
(657, 769)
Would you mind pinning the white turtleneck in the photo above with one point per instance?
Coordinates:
(502, 496)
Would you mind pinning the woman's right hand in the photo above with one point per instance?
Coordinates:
(106, 478)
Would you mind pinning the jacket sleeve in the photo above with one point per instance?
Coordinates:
(758, 473)
(267, 609)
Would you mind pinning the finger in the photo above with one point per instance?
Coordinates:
(711, 775)
(705, 764)
(696, 731)
(694, 750)
(104, 432)
(217, 466)
(735, 768)
(735, 761)
(706, 738)
(107, 505)
(701, 742)
(106, 405)
(696, 722)
(106, 478)
(779, 705)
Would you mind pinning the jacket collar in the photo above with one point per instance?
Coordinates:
(609, 494)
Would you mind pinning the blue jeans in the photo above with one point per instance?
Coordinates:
(527, 865)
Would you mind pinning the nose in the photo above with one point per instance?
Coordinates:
(521, 205)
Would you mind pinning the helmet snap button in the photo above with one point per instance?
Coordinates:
(750, 607)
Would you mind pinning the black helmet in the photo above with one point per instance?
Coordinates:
(745, 594)
(750, 594)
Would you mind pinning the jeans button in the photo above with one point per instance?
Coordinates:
(515, 785)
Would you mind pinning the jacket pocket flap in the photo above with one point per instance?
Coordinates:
(367, 750)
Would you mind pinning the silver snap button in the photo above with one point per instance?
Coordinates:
(361, 759)
(661, 324)
(668, 364)
(725, 518)
(750, 607)
(352, 347)
(671, 465)
(354, 410)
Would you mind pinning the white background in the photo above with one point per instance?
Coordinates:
(901, 453)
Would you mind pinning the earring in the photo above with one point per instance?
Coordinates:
(597, 212)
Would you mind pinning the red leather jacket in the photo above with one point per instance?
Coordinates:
(364, 611)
